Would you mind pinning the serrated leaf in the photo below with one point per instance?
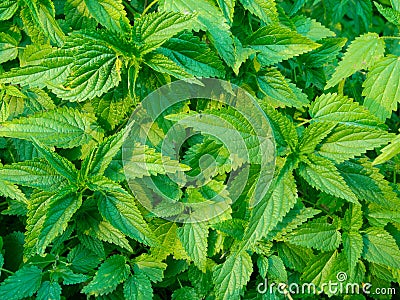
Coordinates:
(313, 135)
(367, 183)
(23, 283)
(325, 54)
(312, 29)
(346, 142)
(186, 292)
(362, 53)
(167, 238)
(210, 19)
(283, 128)
(8, 47)
(352, 247)
(281, 197)
(49, 291)
(145, 161)
(40, 23)
(150, 266)
(8, 9)
(59, 212)
(322, 174)
(162, 64)
(36, 174)
(51, 67)
(381, 248)
(317, 234)
(342, 110)
(61, 127)
(60, 164)
(109, 13)
(293, 219)
(96, 66)
(111, 273)
(192, 55)
(265, 10)
(230, 277)
(276, 88)
(382, 88)
(138, 287)
(353, 218)
(82, 260)
(100, 158)
(228, 9)
(118, 207)
(389, 151)
(154, 29)
(294, 257)
(193, 237)
(77, 15)
(392, 15)
(275, 44)
(68, 277)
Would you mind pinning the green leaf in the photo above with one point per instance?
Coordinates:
(312, 29)
(322, 174)
(317, 234)
(24, 283)
(284, 130)
(154, 29)
(60, 164)
(96, 66)
(7, 9)
(276, 88)
(77, 15)
(109, 13)
(145, 161)
(341, 110)
(325, 54)
(49, 291)
(362, 53)
(59, 209)
(281, 197)
(352, 247)
(40, 23)
(228, 9)
(194, 239)
(162, 64)
(367, 183)
(61, 127)
(186, 292)
(210, 19)
(389, 151)
(8, 47)
(393, 16)
(347, 141)
(36, 174)
(166, 233)
(294, 257)
(138, 287)
(353, 219)
(230, 277)
(150, 266)
(192, 55)
(1, 262)
(265, 10)
(382, 88)
(313, 135)
(100, 158)
(381, 248)
(118, 207)
(51, 67)
(275, 44)
(111, 273)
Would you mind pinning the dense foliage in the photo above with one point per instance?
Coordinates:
(326, 74)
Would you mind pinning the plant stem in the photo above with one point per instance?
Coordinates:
(6, 271)
(391, 37)
(341, 86)
(129, 7)
(148, 7)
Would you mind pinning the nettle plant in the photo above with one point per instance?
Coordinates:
(326, 75)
